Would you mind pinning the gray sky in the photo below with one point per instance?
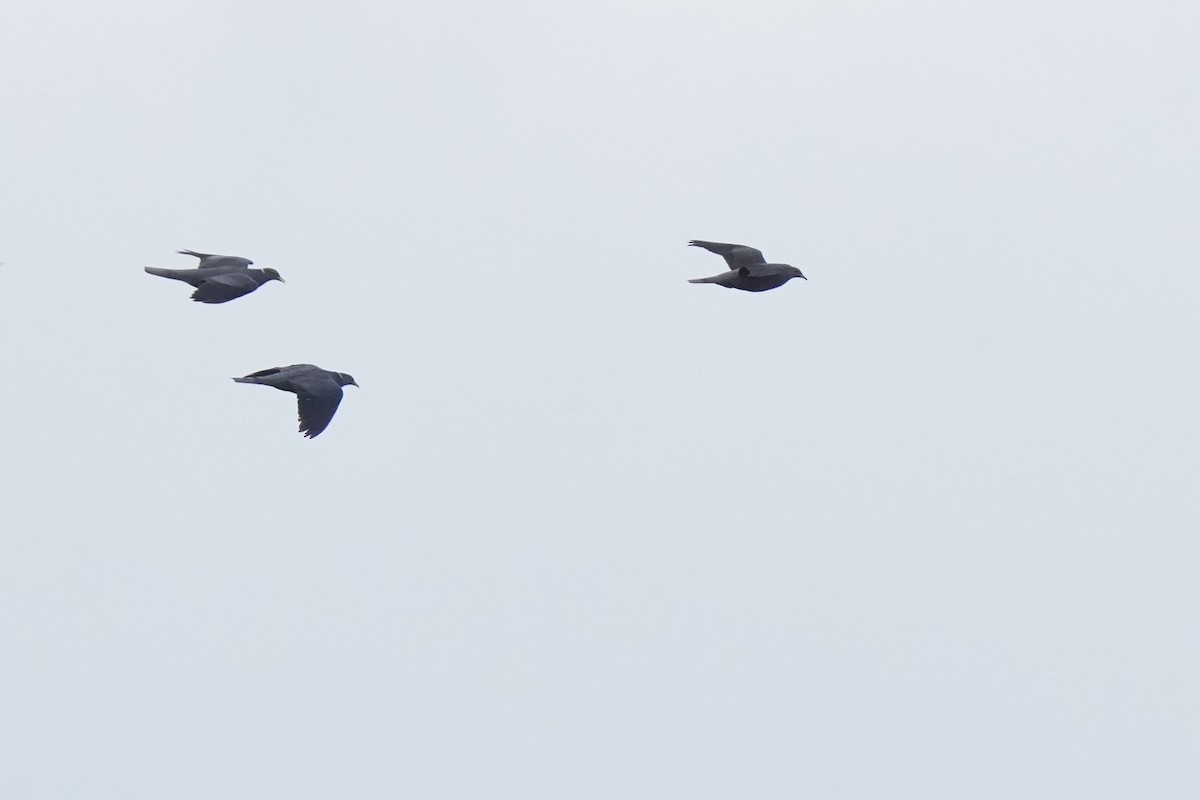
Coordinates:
(924, 526)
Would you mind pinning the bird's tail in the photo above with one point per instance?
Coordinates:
(247, 379)
(164, 273)
(713, 279)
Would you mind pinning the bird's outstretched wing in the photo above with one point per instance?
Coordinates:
(736, 255)
(317, 410)
(215, 260)
(262, 373)
(223, 288)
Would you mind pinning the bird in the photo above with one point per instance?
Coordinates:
(318, 391)
(212, 260)
(221, 283)
(748, 270)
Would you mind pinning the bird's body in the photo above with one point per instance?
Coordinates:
(219, 284)
(748, 283)
(318, 391)
(748, 270)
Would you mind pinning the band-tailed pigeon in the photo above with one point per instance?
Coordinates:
(748, 270)
(318, 391)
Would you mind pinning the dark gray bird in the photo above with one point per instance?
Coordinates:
(748, 270)
(318, 391)
(211, 260)
(219, 284)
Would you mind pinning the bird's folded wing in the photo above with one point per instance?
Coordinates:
(736, 255)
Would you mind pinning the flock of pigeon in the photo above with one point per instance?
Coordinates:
(219, 279)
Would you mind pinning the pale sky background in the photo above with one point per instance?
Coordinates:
(922, 527)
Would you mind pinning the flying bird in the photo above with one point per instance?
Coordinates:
(221, 283)
(318, 391)
(748, 270)
(212, 260)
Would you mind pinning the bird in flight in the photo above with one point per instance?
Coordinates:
(219, 279)
(748, 270)
(318, 391)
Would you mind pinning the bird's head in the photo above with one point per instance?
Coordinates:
(345, 380)
(272, 274)
(793, 272)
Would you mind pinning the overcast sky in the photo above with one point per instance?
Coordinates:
(921, 527)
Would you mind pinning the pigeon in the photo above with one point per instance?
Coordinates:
(318, 391)
(219, 284)
(748, 270)
(210, 260)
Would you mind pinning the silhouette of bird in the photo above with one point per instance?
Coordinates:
(221, 283)
(318, 391)
(748, 270)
